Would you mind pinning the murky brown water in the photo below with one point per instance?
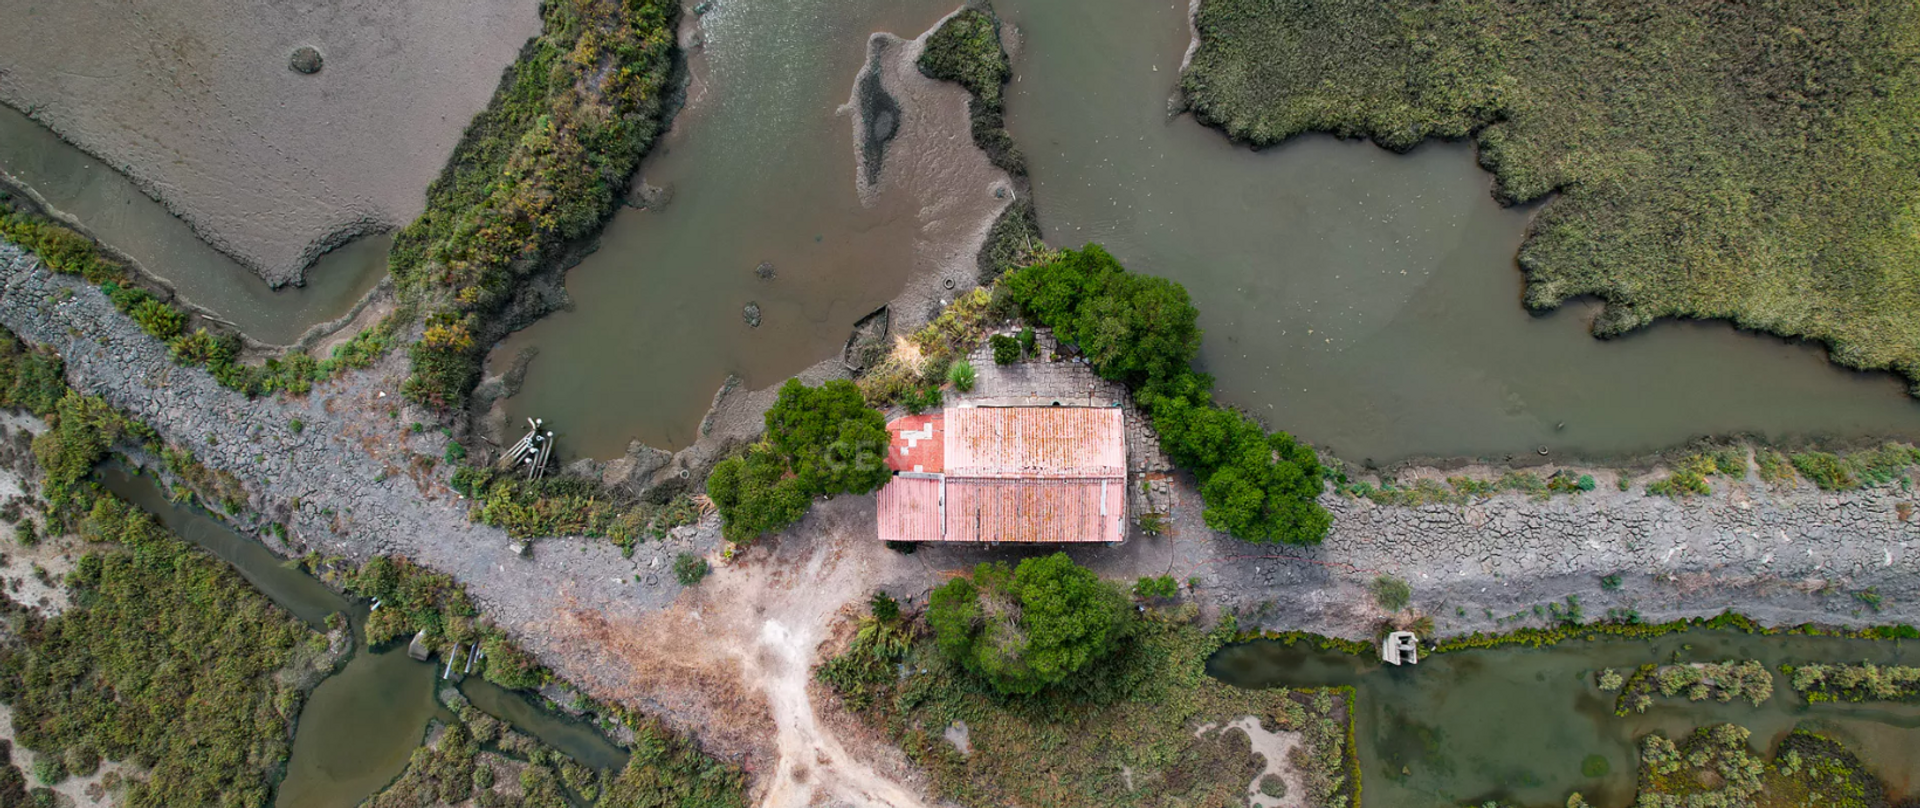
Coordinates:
(1368, 301)
(762, 168)
(1515, 724)
(118, 213)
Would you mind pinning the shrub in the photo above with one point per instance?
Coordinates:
(1826, 470)
(690, 569)
(1026, 628)
(1161, 587)
(1391, 594)
(1006, 350)
(962, 375)
(1027, 340)
(821, 441)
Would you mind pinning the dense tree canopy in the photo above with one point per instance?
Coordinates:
(829, 438)
(1028, 627)
(1136, 329)
(1141, 330)
(821, 441)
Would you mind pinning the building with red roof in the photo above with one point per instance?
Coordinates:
(1007, 474)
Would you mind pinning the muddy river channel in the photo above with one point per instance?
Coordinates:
(1366, 301)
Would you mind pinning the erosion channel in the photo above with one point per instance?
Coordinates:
(361, 725)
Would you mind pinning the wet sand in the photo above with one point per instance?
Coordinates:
(195, 101)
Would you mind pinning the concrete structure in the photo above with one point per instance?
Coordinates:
(1400, 647)
(1007, 474)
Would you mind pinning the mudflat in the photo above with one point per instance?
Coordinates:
(200, 103)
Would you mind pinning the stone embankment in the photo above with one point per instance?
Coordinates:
(1783, 555)
(340, 468)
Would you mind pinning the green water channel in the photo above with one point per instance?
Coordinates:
(360, 726)
(1517, 723)
(118, 213)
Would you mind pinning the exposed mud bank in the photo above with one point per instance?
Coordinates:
(196, 101)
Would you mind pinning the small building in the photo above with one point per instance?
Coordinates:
(1400, 648)
(1007, 474)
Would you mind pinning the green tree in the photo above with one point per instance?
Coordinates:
(754, 495)
(829, 438)
(1134, 328)
(1028, 627)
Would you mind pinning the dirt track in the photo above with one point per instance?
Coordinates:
(194, 100)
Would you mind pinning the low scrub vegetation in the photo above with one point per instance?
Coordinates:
(1142, 331)
(477, 760)
(1752, 162)
(966, 50)
(1856, 683)
(414, 598)
(544, 165)
(1066, 745)
(167, 659)
(820, 441)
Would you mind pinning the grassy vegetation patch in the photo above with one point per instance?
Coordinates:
(966, 50)
(1127, 733)
(1757, 162)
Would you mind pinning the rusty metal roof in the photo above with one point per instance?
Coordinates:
(1007, 474)
(910, 508)
(1015, 510)
(1035, 441)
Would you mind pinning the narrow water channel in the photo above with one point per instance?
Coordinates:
(118, 213)
(1518, 723)
(1367, 301)
(359, 728)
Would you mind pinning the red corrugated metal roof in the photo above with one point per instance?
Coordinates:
(1007, 474)
(1013, 510)
(1035, 441)
(910, 509)
(918, 443)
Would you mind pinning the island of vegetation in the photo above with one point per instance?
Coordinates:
(1755, 163)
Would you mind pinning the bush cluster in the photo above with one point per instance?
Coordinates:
(414, 598)
(1028, 627)
(1142, 331)
(821, 441)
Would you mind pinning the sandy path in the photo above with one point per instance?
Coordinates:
(194, 100)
